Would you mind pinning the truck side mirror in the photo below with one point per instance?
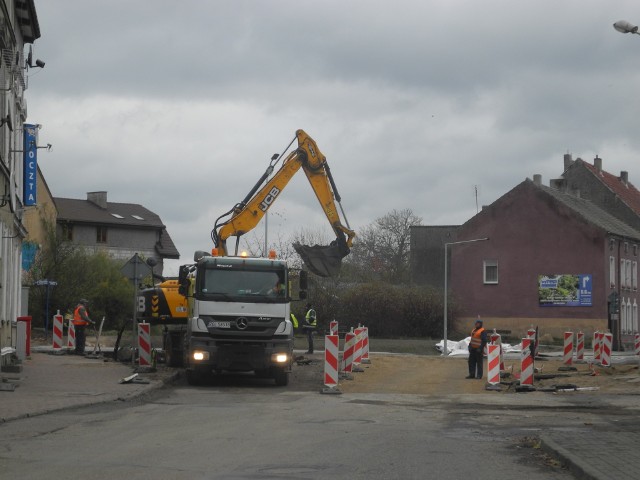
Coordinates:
(183, 280)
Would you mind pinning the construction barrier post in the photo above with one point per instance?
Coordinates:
(496, 339)
(26, 321)
(493, 364)
(637, 343)
(580, 347)
(567, 358)
(606, 349)
(57, 332)
(71, 335)
(365, 346)
(144, 344)
(526, 363)
(331, 353)
(596, 347)
(347, 357)
(357, 356)
(333, 327)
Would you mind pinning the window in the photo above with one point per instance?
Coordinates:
(490, 271)
(101, 235)
(628, 275)
(612, 272)
(626, 247)
(623, 316)
(634, 316)
(623, 273)
(635, 250)
(634, 275)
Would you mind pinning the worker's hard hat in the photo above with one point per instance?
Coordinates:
(478, 320)
(84, 301)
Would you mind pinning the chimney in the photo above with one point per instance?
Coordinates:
(597, 162)
(567, 161)
(624, 176)
(98, 198)
(537, 179)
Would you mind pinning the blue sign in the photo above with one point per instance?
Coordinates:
(565, 290)
(30, 156)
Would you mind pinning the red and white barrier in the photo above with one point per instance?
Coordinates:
(71, 336)
(331, 353)
(493, 364)
(333, 327)
(144, 344)
(57, 331)
(580, 346)
(606, 349)
(496, 339)
(357, 356)
(567, 358)
(526, 363)
(596, 347)
(349, 350)
(365, 346)
(637, 343)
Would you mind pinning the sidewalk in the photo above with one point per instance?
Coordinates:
(56, 382)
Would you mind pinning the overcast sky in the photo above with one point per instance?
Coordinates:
(178, 106)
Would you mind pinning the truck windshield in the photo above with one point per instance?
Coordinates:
(244, 284)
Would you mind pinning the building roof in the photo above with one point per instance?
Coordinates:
(123, 215)
(624, 190)
(590, 212)
(27, 19)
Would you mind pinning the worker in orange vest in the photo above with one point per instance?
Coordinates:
(80, 321)
(476, 349)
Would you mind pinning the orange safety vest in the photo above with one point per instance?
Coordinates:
(77, 318)
(476, 338)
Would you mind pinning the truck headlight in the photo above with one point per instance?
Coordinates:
(279, 358)
(199, 355)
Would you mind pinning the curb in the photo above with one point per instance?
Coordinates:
(568, 459)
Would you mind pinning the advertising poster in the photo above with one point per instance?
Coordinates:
(565, 290)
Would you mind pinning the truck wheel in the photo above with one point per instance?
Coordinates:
(282, 377)
(194, 377)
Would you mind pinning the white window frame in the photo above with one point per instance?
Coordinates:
(623, 316)
(634, 315)
(634, 275)
(623, 273)
(486, 264)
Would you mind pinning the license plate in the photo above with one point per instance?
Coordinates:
(216, 324)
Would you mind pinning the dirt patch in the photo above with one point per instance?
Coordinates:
(432, 375)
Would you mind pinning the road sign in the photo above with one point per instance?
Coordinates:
(135, 269)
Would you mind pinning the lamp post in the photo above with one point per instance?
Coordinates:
(623, 26)
(446, 265)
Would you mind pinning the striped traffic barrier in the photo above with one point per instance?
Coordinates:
(493, 364)
(365, 346)
(331, 354)
(637, 343)
(567, 358)
(347, 356)
(357, 356)
(144, 344)
(496, 339)
(57, 331)
(526, 363)
(596, 347)
(71, 336)
(333, 327)
(580, 346)
(606, 349)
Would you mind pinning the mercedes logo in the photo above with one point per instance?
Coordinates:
(242, 323)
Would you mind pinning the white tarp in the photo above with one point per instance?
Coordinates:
(461, 348)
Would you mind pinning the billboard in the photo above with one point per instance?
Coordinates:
(30, 169)
(565, 290)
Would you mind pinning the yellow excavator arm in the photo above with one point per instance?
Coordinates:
(322, 260)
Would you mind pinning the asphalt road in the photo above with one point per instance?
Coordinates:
(245, 429)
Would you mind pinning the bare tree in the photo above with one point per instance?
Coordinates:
(381, 249)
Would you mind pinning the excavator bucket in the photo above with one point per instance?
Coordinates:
(323, 260)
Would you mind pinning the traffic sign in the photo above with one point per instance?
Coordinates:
(135, 269)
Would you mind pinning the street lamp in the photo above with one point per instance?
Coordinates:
(625, 27)
(444, 346)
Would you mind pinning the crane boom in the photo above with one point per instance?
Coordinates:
(322, 260)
